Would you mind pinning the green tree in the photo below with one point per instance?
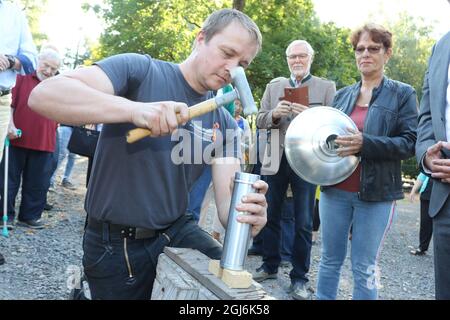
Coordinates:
(166, 30)
(81, 55)
(239, 4)
(33, 10)
(412, 47)
(412, 44)
(282, 21)
(163, 29)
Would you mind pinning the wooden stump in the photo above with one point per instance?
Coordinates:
(183, 274)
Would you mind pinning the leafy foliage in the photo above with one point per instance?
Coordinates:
(166, 30)
(410, 168)
(33, 10)
(412, 47)
(163, 29)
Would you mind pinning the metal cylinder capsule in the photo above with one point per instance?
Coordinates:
(238, 235)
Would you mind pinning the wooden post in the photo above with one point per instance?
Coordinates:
(183, 274)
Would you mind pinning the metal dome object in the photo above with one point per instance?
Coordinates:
(310, 148)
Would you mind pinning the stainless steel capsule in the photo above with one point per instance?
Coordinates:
(238, 235)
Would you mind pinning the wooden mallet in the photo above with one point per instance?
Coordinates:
(241, 91)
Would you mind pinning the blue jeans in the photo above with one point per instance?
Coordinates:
(197, 193)
(55, 156)
(64, 134)
(370, 222)
(303, 204)
(108, 273)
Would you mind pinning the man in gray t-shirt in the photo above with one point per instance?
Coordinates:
(138, 193)
(151, 185)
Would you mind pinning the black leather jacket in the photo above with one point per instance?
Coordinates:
(389, 136)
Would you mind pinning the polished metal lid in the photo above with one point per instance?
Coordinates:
(310, 148)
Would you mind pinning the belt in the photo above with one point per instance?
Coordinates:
(128, 232)
(4, 92)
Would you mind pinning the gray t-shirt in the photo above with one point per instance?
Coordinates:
(140, 184)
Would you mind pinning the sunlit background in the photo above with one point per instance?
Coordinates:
(71, 28)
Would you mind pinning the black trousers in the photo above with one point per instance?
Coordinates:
(426, 225)
(116, 270)
(441, 244)
(34, 169)
(316, 216)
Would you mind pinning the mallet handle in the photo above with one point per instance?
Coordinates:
(194, 111)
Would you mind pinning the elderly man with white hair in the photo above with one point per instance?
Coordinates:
(31, 153)
(276, 113)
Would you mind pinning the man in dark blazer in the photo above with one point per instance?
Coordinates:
(433, 156)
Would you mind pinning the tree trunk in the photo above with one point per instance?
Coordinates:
(239, 5)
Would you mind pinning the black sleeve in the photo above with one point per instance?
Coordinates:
(400, 145)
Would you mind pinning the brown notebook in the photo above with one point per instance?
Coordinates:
(296, 95)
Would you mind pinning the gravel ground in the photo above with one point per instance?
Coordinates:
(39, 263)
(403, 276)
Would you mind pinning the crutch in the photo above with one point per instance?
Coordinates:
(5, 232)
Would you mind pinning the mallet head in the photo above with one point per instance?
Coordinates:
(243, 89)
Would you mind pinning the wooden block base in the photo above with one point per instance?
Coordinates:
(215, 269)
(188, 274)
(233, 279)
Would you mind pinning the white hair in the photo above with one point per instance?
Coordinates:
(298, 42)
(49, 53)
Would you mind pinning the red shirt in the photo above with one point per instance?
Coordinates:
(351, 184)
(38, 132)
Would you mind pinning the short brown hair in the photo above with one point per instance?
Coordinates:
(378, 33)
(220, 19)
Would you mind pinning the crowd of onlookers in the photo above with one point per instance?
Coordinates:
(37, 148)
(359, 208)
(36, 145)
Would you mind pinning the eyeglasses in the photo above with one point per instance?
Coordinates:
(371, 49)
(300, 56)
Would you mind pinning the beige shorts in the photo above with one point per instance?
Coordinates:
(5, 115)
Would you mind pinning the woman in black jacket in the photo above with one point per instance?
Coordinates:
(385, 112)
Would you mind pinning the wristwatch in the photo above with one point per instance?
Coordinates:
(11, 60)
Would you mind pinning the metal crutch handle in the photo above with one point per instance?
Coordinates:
(5, 232)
